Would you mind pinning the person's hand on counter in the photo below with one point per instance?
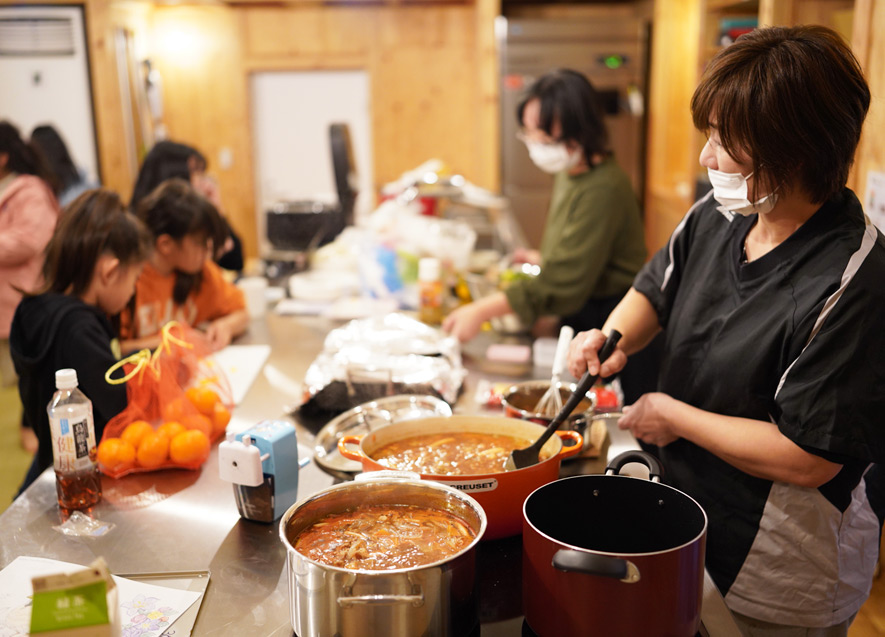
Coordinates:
(527, 255)
(222, 331)
(465, 322)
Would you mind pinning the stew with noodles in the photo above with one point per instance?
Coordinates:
(451, 454)
(384, 537)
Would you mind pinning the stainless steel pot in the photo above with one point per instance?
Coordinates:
(520, 401)
(435, 599)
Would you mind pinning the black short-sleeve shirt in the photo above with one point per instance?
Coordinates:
(795, 338)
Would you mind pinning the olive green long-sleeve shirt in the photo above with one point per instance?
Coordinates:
(593, 245)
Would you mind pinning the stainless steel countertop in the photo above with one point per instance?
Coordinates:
(188, 520)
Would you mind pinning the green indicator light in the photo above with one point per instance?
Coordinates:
(613, 61)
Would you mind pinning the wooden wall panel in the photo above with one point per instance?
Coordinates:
(423, 67)
(424, 91)
(672, 162)
(101, 20)
(198, 51)
(488, 126)
(309, 31)
(869, 46)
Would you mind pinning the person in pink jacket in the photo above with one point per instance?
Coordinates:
(28, 213)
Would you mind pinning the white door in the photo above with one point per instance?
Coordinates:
(291, 114)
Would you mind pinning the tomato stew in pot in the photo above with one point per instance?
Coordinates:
(451, 453)
(500, 493)
(384, 537)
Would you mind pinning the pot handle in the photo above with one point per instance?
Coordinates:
(575, 448)
(655, 469)
(346, 600)
(345, 451)
(594, 564)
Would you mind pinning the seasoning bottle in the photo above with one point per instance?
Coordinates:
(430, 291)
(77, 477)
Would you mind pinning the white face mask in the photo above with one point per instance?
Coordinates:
(730, 190)
(552, 158)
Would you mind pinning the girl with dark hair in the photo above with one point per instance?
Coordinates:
(28, 212)
(89, 274)
(172, 160)
(181, 282)
(593, 243)
(770, 296)
(72, 181)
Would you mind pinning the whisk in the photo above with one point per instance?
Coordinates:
(551, 402)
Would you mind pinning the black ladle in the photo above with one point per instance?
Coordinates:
(521, 458)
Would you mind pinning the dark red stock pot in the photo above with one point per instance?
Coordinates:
(613, 555)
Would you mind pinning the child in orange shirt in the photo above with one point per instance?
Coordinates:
(185, 226)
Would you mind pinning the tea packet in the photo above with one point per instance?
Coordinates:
(78, 604)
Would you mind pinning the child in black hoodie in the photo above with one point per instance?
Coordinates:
(92, 263)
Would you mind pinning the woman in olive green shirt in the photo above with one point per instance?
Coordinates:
(593, 244)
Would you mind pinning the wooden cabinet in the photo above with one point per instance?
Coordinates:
(722, 21)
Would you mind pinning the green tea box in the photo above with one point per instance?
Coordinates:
(78, 604)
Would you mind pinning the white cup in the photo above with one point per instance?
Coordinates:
(255, 290)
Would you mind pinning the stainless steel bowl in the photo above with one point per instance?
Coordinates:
(520, 401)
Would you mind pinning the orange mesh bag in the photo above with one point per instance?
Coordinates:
(179, 403)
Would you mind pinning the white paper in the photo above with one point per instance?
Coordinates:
(296, 307)
(241, 365)
(145, 609)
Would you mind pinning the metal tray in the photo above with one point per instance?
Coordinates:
(368, 417)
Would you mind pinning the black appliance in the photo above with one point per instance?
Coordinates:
(304, 225)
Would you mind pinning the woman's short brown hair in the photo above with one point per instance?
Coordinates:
(792, 99)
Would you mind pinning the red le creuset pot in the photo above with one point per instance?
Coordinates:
(613, 555)
(500, 494)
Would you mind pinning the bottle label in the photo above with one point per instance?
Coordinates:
(430, 299)
(73, 444)
(81, 439)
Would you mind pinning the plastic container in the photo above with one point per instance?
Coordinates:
(77, 477)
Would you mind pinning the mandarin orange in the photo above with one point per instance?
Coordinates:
(171, 429)
(115, 454)
(220, 418)
(198, 422)
(176, 409)
(136, 431)
(153, 451)
(190, 448)
(203, 398)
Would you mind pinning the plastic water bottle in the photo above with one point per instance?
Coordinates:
(77, 477)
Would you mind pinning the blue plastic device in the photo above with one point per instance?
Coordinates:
(278, 447)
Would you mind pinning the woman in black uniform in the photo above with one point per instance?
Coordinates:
(769, 409)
